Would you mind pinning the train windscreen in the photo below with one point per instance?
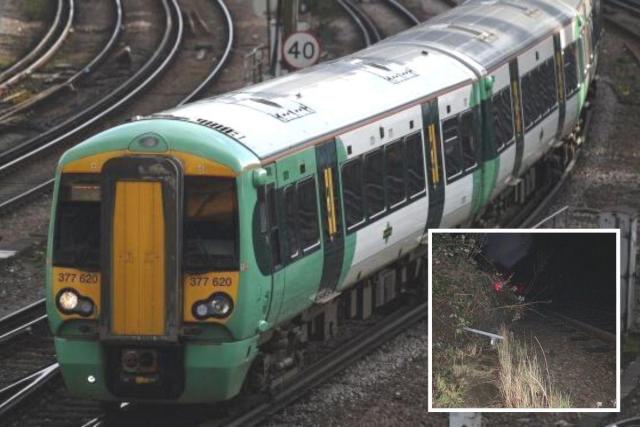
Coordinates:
(77, 228)
(210, 240)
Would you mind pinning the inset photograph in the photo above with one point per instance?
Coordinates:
(524, 319)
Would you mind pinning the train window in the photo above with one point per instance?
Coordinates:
(291, 220)
(570, 70)
(374, 183)
(550, 84)
(530, 99)
(468, 140)
(415, 165)
(308, 214)
(503, 118)
(452, 151)
(395, 169)
(77, 230)
(539, 92)
(352, 192)
(210, 224)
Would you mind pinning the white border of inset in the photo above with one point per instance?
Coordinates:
(526, 230)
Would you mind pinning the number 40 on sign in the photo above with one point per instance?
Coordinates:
(301, 50)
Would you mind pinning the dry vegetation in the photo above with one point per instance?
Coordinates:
(467, 371)
(524, 381)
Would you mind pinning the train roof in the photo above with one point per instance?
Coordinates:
(334, 96)
(488, 31)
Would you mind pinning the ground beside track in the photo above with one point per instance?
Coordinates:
(19, 31)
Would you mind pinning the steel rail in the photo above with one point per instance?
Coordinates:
(86, 70)
(46, 56)
(21, 321)
(114, 100)
(226, 55)
(600, 333)
(358, 21)
(368, 23)
(406, 13)
(57, 20)
(18, 391)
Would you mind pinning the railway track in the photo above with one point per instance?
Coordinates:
(44, 50)
(69, 84)
(369, 31)
(45, 145)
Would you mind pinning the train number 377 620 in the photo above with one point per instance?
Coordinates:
(89, 278)
(197, 281)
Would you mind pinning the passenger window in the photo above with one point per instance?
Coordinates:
(394, 161)
(210, 224)
(503, 118)
(468, 140)
(374, 183)
(415, 165)
(352, 192)
(452, 151)
(308, 214)
(291, 218)
(539, 92)
(570, 69)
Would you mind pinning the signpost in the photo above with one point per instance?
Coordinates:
(301, 50)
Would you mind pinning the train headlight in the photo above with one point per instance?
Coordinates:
(68, 300)
(221, 305)
(218, 305)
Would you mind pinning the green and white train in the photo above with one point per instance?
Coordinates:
(195, 250)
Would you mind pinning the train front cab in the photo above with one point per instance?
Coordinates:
(145, 277)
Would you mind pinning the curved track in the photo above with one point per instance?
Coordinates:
(48, 142)
(402, 10)
(37, 51)
(38, 60)
(87, 69)
(224, 59)
(154, 66)
(370, 33)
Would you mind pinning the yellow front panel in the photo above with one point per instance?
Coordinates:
(138, 260)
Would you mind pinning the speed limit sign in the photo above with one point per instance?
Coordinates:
(301, 50)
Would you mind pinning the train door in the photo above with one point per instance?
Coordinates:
(330, 216)
(142, 212)
(435, 171)
(460, 151)
(501, 117)
(560, 85)
(271, 219)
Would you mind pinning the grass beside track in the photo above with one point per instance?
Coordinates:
(524, 380)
